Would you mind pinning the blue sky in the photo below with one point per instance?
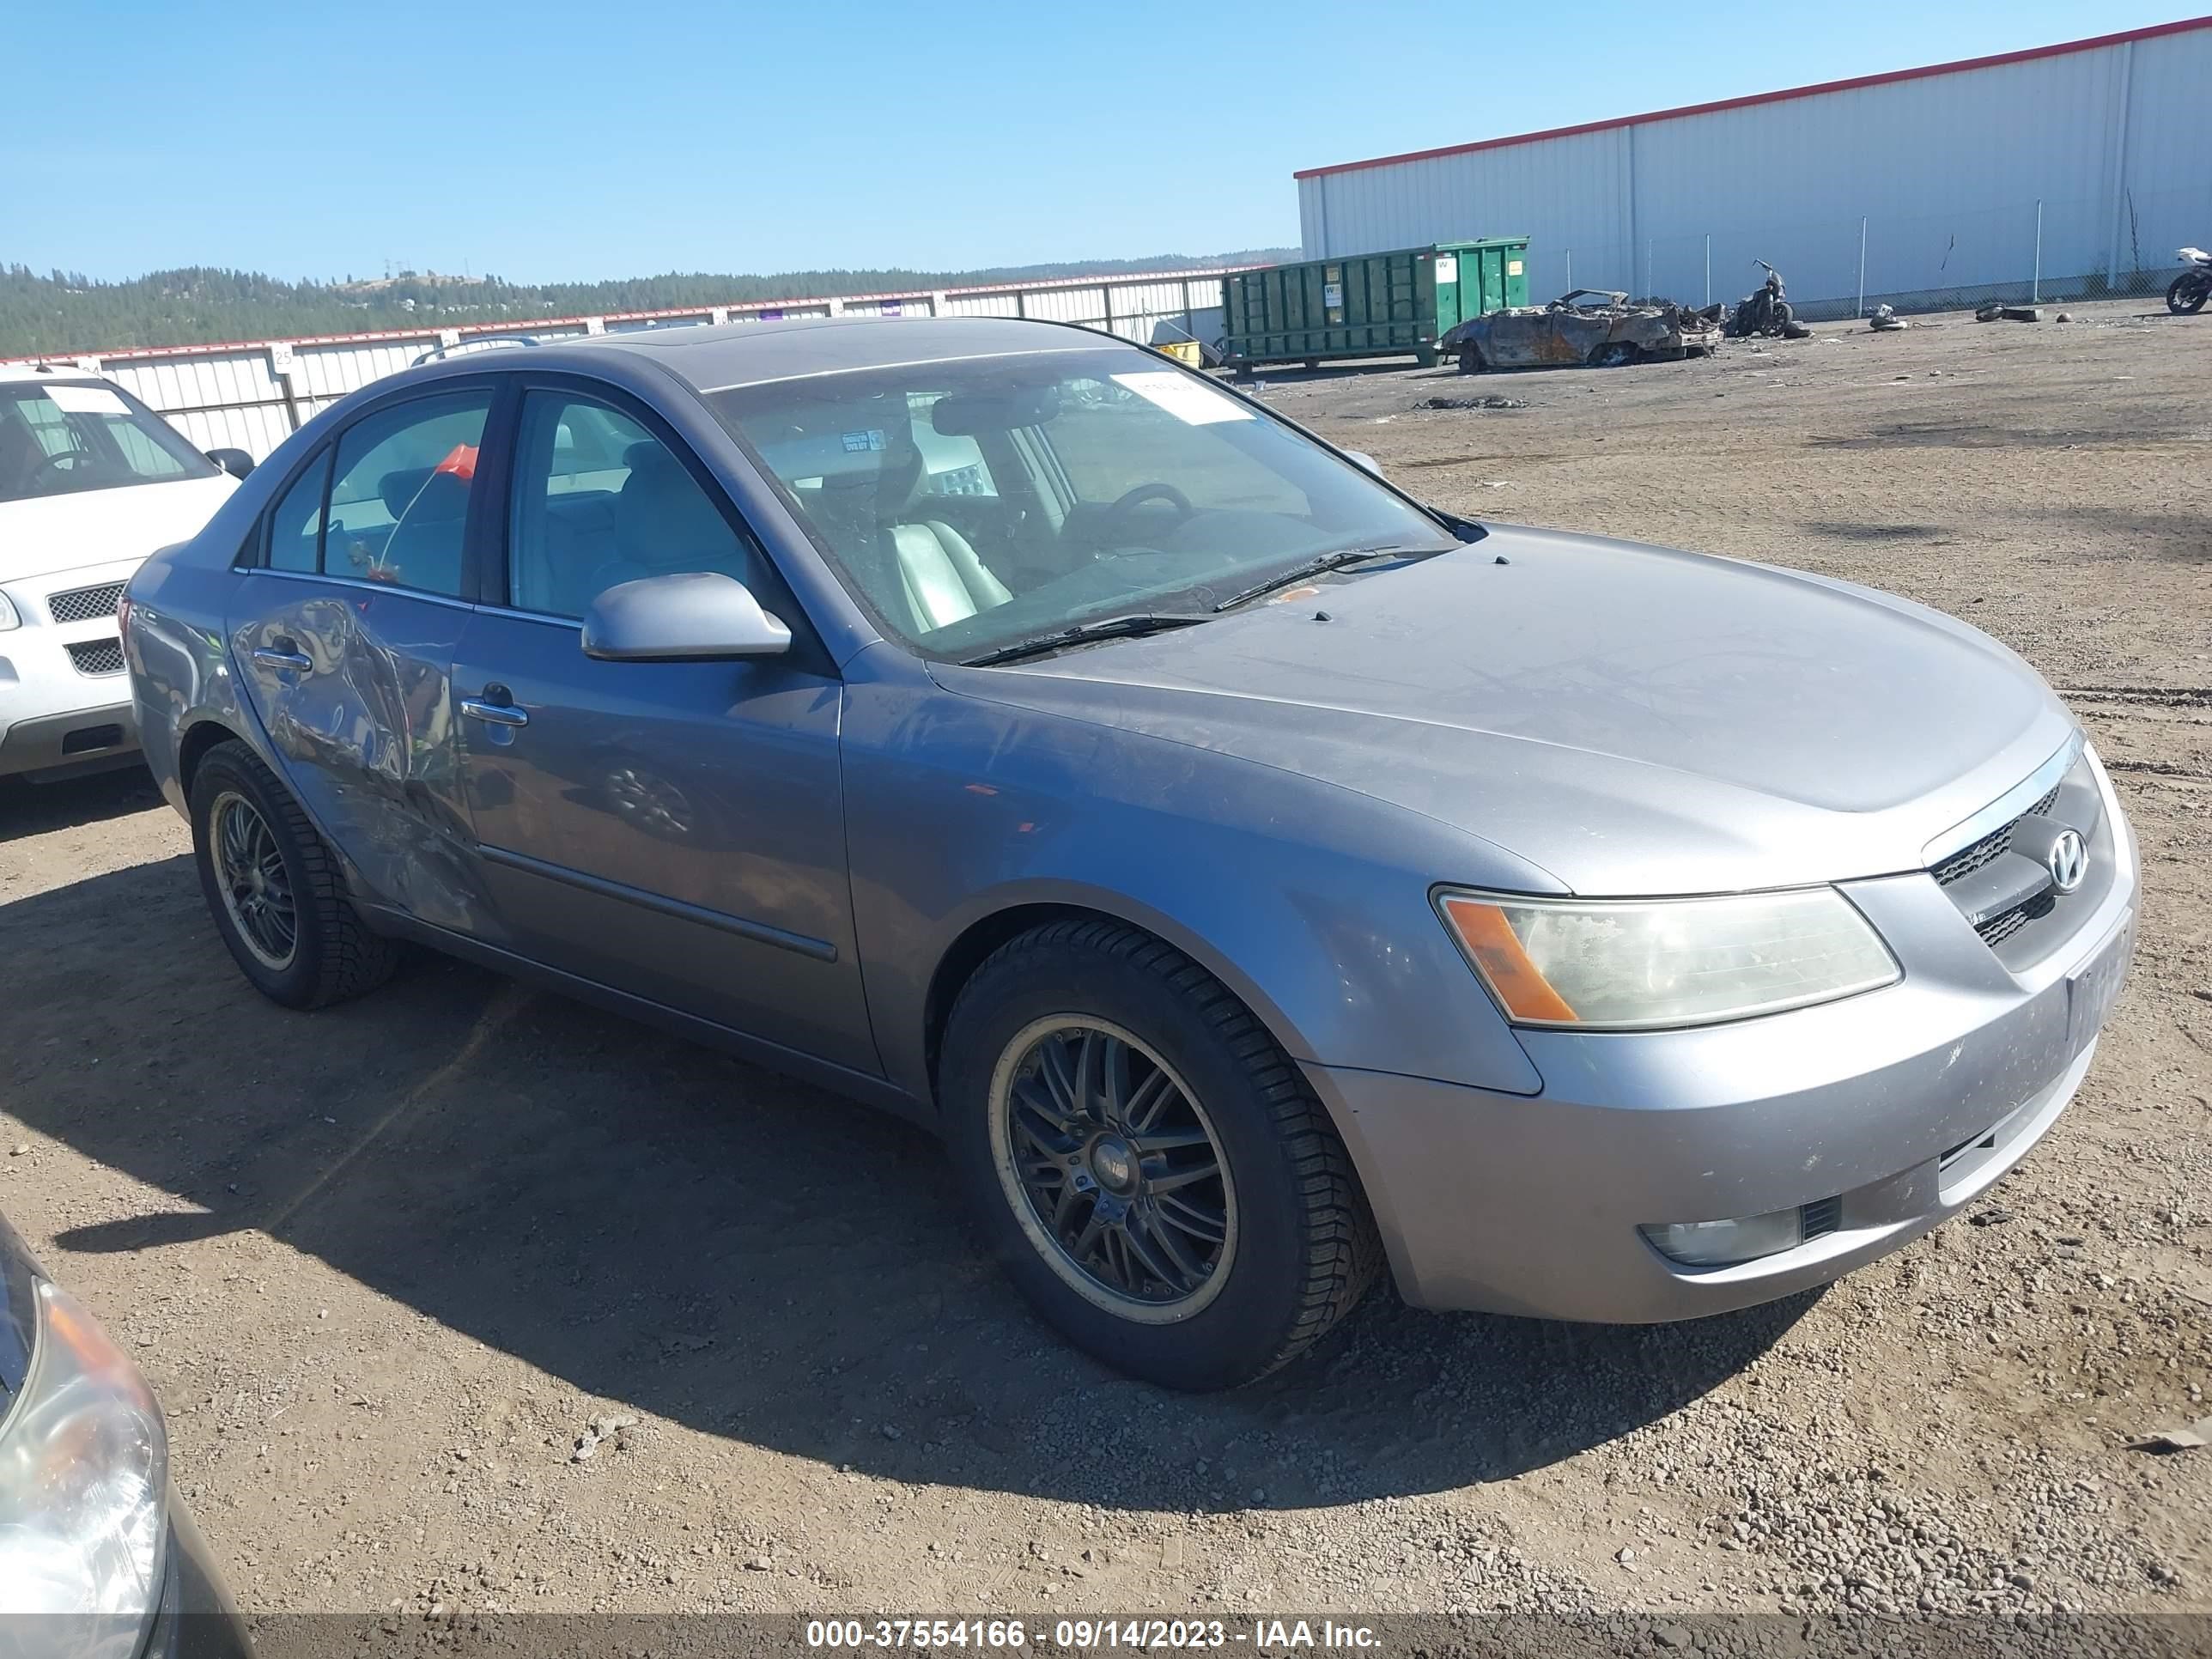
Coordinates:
(555, 140)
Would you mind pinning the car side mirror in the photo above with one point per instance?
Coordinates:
(1366, 460)
(699, 616)
(236, 462)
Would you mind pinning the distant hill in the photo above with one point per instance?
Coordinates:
(65, 312)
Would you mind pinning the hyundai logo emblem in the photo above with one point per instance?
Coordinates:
(2069, 861)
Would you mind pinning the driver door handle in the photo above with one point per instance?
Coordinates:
(493, 713)
(270, 657)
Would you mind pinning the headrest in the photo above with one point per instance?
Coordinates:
(846, 444)
(399, 489)
(649, 455)
(424, 493)
(662, 515)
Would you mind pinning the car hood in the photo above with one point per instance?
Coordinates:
(46, 534)
(1632, 719)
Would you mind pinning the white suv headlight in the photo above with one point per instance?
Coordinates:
(10, 617)
(84, 1473)
(1640, 964)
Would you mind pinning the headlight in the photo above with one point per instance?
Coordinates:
(1634, 964)
(10, 617)
(84, 1472)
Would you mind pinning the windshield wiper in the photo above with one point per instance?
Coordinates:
(1321, 566)
(1101, 628)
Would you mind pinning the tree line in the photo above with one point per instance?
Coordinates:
(69, 314)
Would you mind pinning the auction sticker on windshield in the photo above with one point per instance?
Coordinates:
(1192, 402)
(83, 399)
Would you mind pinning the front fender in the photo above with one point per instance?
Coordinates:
(1309, 900)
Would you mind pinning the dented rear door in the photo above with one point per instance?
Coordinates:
(343, 639)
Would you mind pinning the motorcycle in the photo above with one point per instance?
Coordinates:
(1765, 310)
(2188, 292)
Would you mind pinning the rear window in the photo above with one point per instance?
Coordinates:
(65, 437)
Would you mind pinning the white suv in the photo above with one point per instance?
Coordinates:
(91, 482)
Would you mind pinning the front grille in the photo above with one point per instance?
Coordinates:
(1999, 928)
(83, 604)
(1819, 1218)
(97, 656)
(1995, 844)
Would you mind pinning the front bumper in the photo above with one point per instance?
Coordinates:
(64, 698)
(198, 1619)
(1902, 1105)
(105, 734)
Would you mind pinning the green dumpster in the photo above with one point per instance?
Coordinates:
(1368, 304)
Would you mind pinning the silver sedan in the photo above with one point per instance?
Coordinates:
(1257, 876)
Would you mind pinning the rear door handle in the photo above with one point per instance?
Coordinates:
(494, 713)
(268, 658)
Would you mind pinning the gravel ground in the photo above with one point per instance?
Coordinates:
(467, 1299)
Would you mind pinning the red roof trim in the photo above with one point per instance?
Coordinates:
(1885, 79)
(736, 308)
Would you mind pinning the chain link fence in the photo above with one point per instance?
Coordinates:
(2025, 252)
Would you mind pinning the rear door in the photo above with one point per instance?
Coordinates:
(344, 632)
(674, 830)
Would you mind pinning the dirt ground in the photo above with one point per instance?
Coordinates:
(385, 1265)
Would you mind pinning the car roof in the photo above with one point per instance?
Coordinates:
(720, 357)
(62, 370)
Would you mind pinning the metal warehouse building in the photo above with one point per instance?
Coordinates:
(2067, 171)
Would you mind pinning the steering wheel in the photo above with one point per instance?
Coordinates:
(1150, 492)
(73, 457)
(1153, 492)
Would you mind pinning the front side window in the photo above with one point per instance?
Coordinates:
(64, 437)
(971, 505)
(399, 495)
(599, 499)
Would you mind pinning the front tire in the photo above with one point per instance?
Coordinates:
(274, 890)
(1149, 1167)
(2186, 294)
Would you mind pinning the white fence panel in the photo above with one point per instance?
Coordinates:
(251, 396)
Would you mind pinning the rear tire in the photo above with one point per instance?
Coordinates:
(274, 890)
(1262, 1258)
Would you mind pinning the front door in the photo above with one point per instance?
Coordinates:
(344, 632)
(674, 830)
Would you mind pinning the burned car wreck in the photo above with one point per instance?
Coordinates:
(1588, 326)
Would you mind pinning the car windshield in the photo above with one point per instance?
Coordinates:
(974, 504)
(63, 437)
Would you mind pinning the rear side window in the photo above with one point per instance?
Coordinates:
(295, 525)
(400, 493)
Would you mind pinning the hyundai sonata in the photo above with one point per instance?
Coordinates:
(1257, 876)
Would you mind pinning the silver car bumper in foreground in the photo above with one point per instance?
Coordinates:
(1875, 1117)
